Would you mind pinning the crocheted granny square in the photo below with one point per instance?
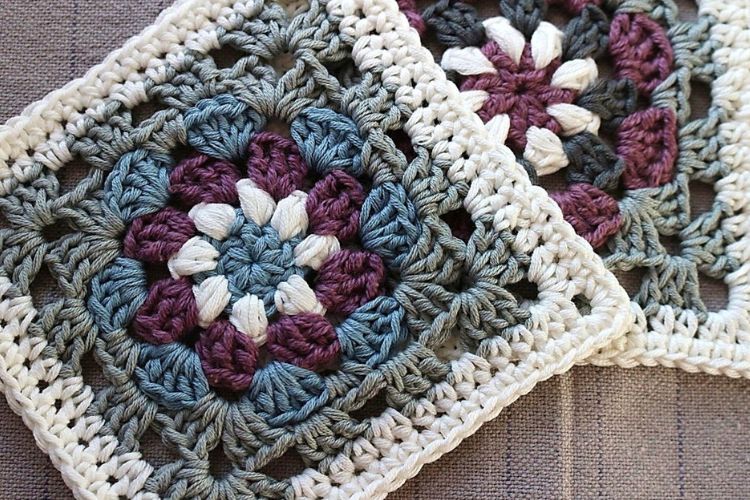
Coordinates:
(594, 99)
(261, 235)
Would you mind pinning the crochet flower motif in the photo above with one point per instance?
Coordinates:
(525, 84)
(544, 99)
(258, 258)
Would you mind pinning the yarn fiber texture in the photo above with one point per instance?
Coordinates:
(595, 99)
(306, 249)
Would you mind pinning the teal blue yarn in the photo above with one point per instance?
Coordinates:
(284, 394)
(171, 375)
(138, 185)
(372, 332)
(221, 127)
(389, 224)
(116, 293)
(328, 141)
(254, 260)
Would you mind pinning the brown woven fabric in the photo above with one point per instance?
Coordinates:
(594, 432)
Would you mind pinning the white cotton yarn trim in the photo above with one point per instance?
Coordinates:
(721, 345)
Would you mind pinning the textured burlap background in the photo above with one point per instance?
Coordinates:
(591, 433)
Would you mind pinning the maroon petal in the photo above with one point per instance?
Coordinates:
(168, 313)
(593, 213)
(228, 357)
(200, 178)
(275, 165)
(647, 142)
(156, 237)
(641, 50)
(333, 205)
(307, 340)
(348, 279)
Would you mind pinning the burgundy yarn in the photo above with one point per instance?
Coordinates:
(275, 164)
(333, 205)
(168, 313)
(307, 340)
(593, 213)
(416, 21)
(228, 357)
(156, 237)
(640, 50)
(520, 91)
(199, 178)
(348, 279)
(647, 142)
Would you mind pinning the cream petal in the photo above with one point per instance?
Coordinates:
(466, 61)
(498, 128)
(474, 98)
(294, 296)
(574, 119)
(195, 256)
(544, 150)
(546, 44)
(315, 249)
(257, 205)
(508, 38)
(213, 219)
(290, 217)
(576, 74)
(249, 317)
(211, 297)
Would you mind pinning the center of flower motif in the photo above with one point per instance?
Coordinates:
(249, 262)
(510, 81)
(540, 95)
(520, 90)
(256, 259)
